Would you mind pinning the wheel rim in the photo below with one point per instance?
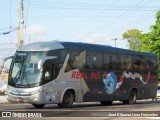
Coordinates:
(133, 98)
(67, 99)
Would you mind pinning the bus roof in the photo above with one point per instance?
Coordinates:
(46, 46)
(103, 48)
(41, 46)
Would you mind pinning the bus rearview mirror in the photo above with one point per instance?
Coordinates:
(5, 59)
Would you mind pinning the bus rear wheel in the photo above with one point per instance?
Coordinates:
(68, 100)
(106, 102)
(132, 98)
(38, 105)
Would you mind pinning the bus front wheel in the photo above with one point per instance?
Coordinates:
(68, 100)
(38, 105)
(132, 98)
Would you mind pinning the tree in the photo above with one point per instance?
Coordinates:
(133, 36)
(148, 42)
(151, 41)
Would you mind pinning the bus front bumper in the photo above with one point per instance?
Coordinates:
(38, 98)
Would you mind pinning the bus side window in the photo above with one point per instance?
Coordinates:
(136, 63)
(91, 61)
(88, 61)
(147, 65)
(128, 62)
(122, 62)
(48, 73)
(94, 60)
(77, 60)
(70, 66)
(155, 67)
(105, 61)
(143, 64)
(139, 63)
(51, 71)
(80, 60)
(119, 61)
(112, 62)
(152, 64)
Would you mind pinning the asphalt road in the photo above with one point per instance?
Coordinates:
(94, 110)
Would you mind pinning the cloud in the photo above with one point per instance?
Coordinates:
(36, 33)
(103, 39)
(97, 37)
(36, 30)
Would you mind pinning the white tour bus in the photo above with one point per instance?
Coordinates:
(65, 72)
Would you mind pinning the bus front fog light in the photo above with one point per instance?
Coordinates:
(35, 99)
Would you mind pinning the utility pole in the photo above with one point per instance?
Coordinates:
(115, 41)
(20, 31)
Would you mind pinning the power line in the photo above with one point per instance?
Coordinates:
(113, 20)
(6, 54)
(96, 9)
(4, 49)
(8, 32)
(53, 4)
(127, 12)
(7, 43)
(133, 23)
(8, 28)
(84, 6)
(92, 18)
(109, 16)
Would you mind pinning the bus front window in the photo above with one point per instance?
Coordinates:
(32, 73)
(24, 69)
(17, 68)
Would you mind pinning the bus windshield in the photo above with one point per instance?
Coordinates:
(24, 69)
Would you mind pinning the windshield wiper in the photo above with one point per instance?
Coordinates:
(19, 73)
(23, 67)
(15, 79)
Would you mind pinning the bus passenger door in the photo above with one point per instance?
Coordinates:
(50, 73)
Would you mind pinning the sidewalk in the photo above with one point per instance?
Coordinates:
(3, 99)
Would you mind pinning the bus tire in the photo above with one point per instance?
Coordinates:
(38, 106)
(68, 100)
(132, 98)
(106, 102)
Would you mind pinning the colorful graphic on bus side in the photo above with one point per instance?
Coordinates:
(111, 83)
(110, 79)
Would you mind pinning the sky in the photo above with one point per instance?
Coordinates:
(91, 21)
